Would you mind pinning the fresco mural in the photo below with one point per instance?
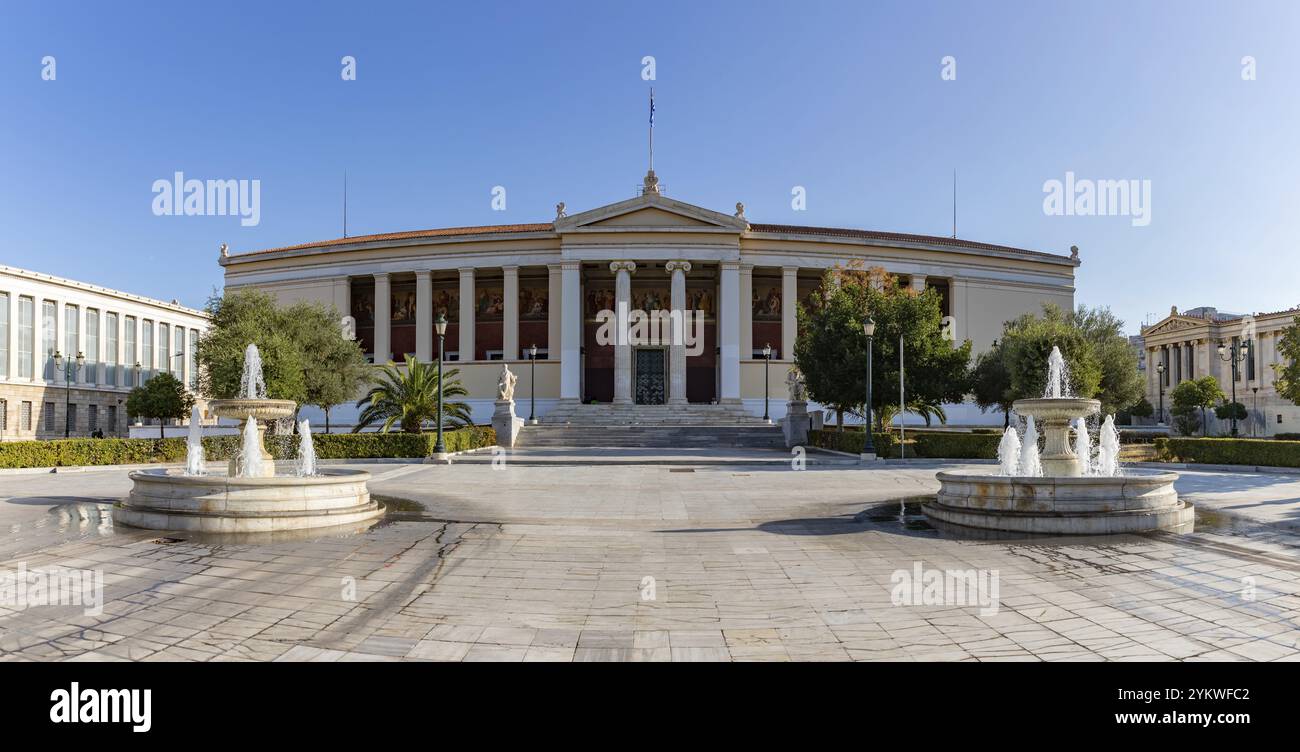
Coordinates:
(766, 301)
(534, 303)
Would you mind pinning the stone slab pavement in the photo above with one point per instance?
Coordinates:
(607, 561)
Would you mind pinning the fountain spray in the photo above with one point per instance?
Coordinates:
(1030, 466)
(1009, 452)
(306, 451)
(194, 444)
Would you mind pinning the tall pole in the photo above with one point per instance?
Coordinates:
(767, 362)
(532, 385)
(1255, 391)
(902, 402)
(439, 448)
(869, 444)
(67, 399)
(652, 129)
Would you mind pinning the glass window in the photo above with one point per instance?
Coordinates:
(92, 346)
(110, 349)
(92, 415)
(71, 325)
(26, 337)
(112, 419)
(164, 349)
(4, 417)
(179, 352)
(129, 358)
(49, 416)
(49, 336)
(146, 350)
(4, 335)
(25, 416)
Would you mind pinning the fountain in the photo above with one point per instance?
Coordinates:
(1061, 490)
(249, 497)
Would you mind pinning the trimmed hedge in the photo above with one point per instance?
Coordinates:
(957, 446)
(1263, 452)
(80, 452)
(851, 441)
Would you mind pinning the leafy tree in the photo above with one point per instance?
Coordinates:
(1121, 382)
(991, 383)
(410, 397)
(1027, 344)
(1142, 409)
(335, 369)
(928, 410)
(1192, 396)
(1229, 410)
(239, 318)
(831, 348)
(1287, 369)
(161, 397)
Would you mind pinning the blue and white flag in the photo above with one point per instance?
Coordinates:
(652, 106)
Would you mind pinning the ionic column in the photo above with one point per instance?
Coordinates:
(424, 316)
(554, 296)
(623, 271)
(571, 330)
(677, 350)
(729, 331)
(466, 346)
(510, 316)
(746, 311)
(789, 297)
(383, 319)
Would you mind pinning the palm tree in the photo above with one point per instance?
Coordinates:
(927, 409)
(410, 397)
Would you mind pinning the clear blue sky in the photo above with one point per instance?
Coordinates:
(752, 98)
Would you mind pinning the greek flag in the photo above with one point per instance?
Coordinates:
(652, 107)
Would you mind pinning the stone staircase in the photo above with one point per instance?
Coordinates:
(651, 426)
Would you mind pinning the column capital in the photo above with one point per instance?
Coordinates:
(746, 267)
(730, 266)
(512, 269)
(622, 266)
(381, 276)
(466, 271)
(424, 274)
(789, 270)
(677, 266)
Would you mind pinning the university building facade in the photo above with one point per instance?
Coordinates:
(47, 321)
(506, 288)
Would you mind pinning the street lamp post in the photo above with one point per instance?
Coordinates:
(70, 368)
(1234, 354)
(767, 361)
(868, 444)
(532, 385)
(440, 326)
(1160, 380)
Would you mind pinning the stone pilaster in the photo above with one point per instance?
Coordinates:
(677, 350)
(729, 331)
(554, 307)
(510, 315)
(571, 331)
(424, 316)
(746, 311)
(789, 298)
(466, 348)
(383, 318)
(622, 271)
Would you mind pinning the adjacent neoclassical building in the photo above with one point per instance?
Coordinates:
(122, 340)
(506, 288)
(1185, 346)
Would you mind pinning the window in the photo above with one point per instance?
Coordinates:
(179, 351)
(110, 349)
(71, 330)
(1191, 361)
(129, 358)
(49, 416)
(26, 337)
(92, 415)
(164, 349)
(25, 416)
(72, 419)
(92, 346)
(146, 350)
(189, 358)
(1250, 361)
(49, 336)
(4, 338)
(112, 419)
(4, 416)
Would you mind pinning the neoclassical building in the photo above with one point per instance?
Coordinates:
(123, 340)
(507, 288)
(1185, 346)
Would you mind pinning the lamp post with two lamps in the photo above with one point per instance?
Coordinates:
(70, 367)
(868, 445)
(1235, 353)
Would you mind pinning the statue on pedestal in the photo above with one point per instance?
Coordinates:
(506, 384)
(794, 382)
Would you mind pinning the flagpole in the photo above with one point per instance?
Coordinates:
(652, 129)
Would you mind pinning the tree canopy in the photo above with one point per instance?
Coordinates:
(161, 397)
(305, 357)
(1287, 369)
(1191, 399)
(831, 348)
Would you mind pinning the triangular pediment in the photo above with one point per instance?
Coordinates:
(1173, 324)
(651, 212)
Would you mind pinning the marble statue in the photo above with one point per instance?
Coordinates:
(506, 384)
(794, 382)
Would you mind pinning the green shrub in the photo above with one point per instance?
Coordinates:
(1230, 451)
(1286, 436)
(963, 446)
(851, 441)
(84, 452)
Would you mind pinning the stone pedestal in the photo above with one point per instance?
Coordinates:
(795, 424)
(505, 423)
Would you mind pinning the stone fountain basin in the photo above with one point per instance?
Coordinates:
(167, 499)
(1057, 408)
(257, 409)
(1087, 505)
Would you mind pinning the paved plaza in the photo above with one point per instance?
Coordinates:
(723, 556)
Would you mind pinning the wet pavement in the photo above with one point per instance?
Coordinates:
(656, 562)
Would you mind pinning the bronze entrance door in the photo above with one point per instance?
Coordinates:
(650, 376)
